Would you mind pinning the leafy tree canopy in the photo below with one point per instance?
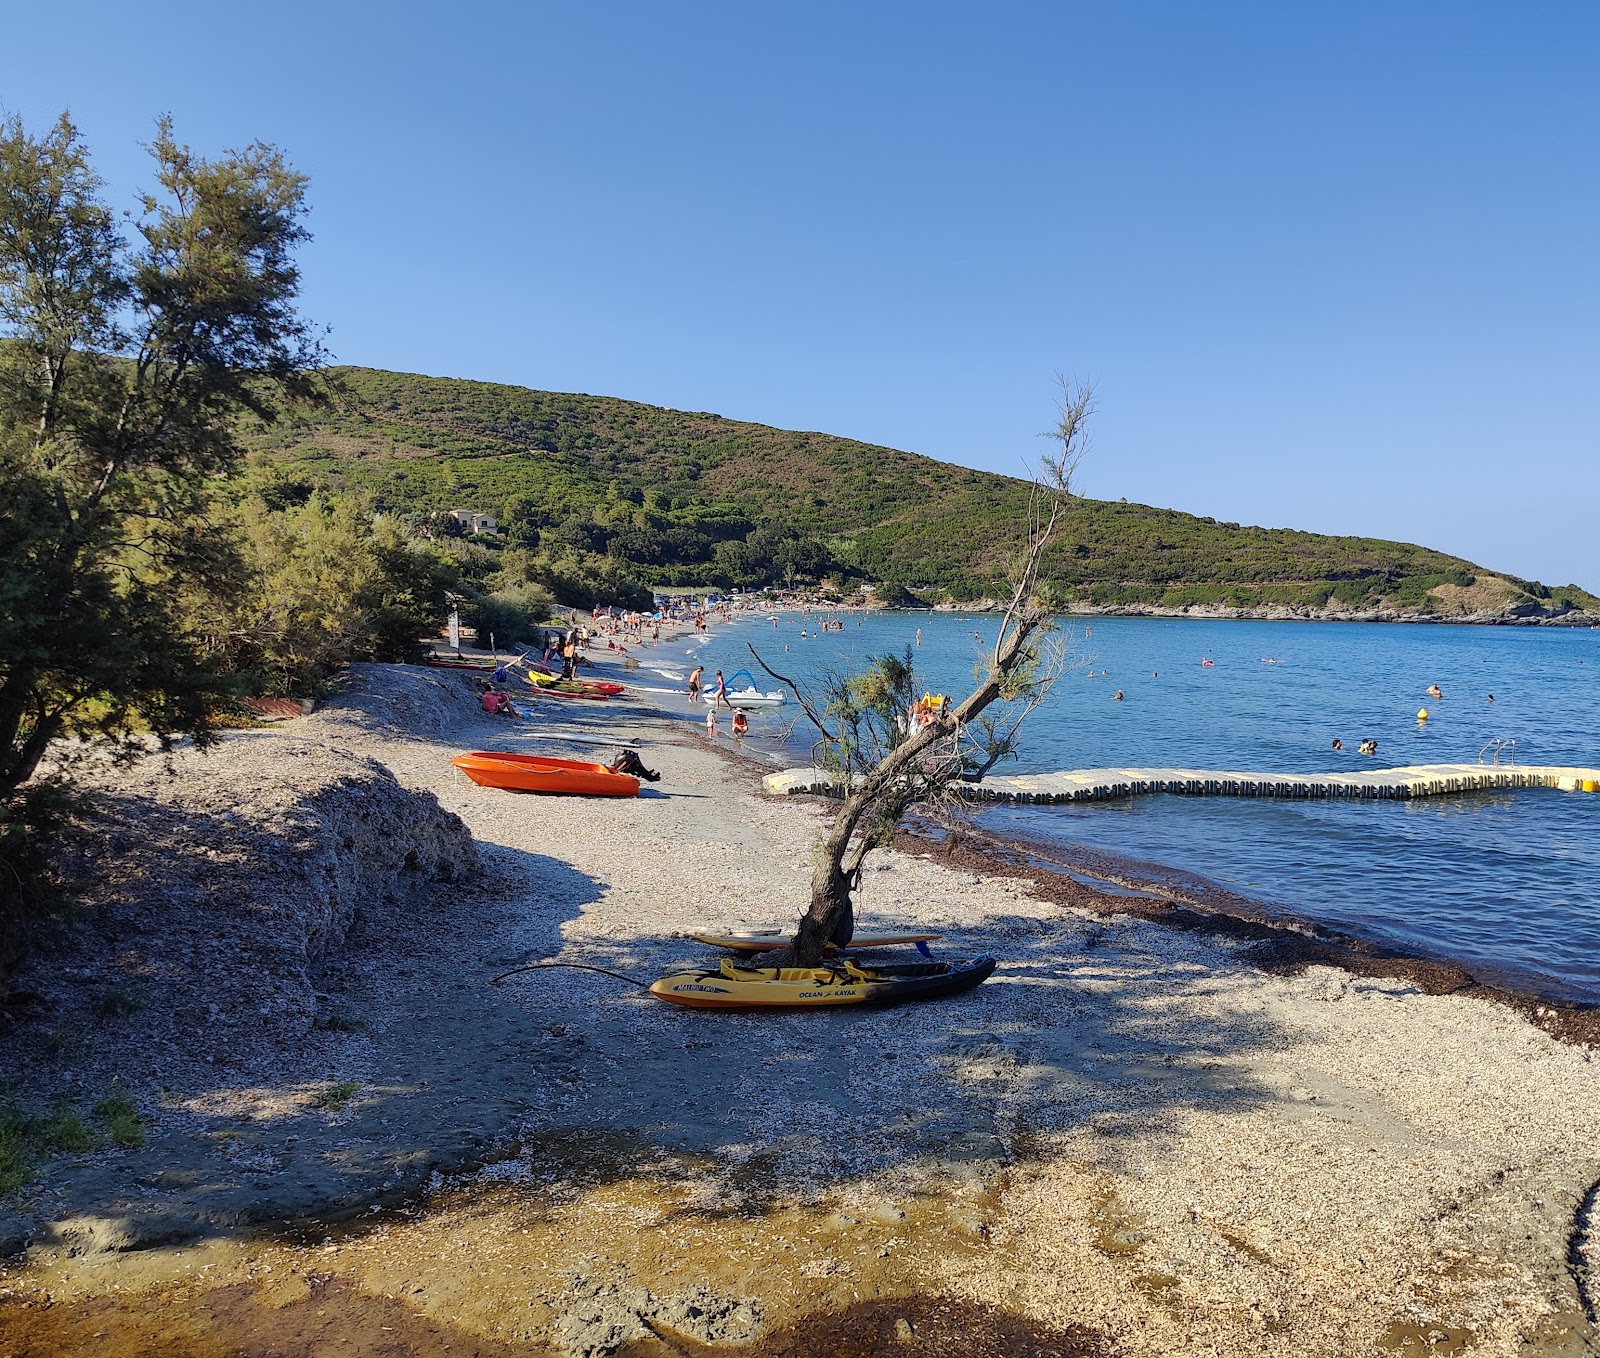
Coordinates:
(124, 359)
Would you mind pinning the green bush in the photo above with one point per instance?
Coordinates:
(512, 616)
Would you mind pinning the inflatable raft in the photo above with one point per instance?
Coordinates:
(834, 985)
(535, 773)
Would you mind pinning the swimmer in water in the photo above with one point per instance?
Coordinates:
(1491, 697)
(1337, 743)
(1119, 695)
(1434, 691)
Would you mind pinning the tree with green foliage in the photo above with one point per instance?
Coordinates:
(327, 582)
(891, 757)
(123, 363)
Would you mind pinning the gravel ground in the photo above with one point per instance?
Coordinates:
(1130, 1137)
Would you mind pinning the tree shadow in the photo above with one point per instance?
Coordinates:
(1077, 1028)
(287, 1059)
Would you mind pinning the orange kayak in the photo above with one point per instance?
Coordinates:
(535, 773)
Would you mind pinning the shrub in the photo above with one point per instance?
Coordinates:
(511, 615)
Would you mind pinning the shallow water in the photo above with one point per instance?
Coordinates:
(1507, 883)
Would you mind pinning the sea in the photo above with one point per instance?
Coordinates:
(1506, 884)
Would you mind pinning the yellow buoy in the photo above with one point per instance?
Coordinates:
(1422, 714)
(1590, 784)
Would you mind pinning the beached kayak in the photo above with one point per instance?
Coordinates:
(565, 688)
(544, 679)
(768, 940)
(833, 985)
(536, 773)
(440, 662)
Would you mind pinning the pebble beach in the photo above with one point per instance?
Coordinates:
(1131, 1140)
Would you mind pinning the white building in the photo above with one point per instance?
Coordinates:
(474, 522)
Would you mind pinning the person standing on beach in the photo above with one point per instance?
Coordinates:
(722, 692)
(694, 682)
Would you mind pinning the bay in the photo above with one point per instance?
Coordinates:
(1506, 883)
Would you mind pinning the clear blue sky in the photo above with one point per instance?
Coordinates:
(1329, 266)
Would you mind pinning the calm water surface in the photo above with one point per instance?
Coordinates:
(1508, 883)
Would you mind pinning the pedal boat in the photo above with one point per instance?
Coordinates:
(832, 986)
(747, 697)
(536, 773)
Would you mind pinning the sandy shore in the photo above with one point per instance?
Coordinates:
(1132, 1139)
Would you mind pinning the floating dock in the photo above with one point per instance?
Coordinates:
(1099, 785)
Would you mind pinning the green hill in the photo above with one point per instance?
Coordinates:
(681, 498)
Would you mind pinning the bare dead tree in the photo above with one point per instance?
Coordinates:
(891, 758)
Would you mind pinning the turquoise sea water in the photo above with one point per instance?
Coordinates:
(1507, 883)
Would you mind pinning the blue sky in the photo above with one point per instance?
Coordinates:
(1328, 267)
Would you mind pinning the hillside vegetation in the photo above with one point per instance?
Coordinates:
(678, 498)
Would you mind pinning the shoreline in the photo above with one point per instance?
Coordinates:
(1283, 943)
(1133, 1137)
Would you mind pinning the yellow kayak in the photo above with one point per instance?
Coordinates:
(731, 986)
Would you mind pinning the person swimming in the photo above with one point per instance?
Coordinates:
(1434, 691)
(1337, 743)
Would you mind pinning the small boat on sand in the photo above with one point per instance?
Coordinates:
(566, 688)
(451, 662)
(546, 682)
(536, 773)
(768, 940)
(833, 985)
